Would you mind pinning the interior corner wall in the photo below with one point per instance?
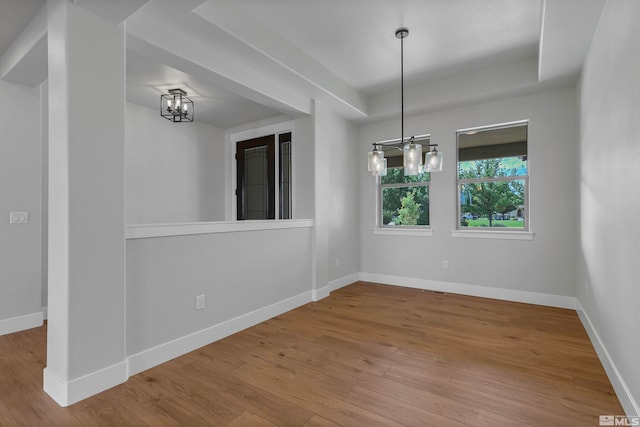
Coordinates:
(303, 168)
(44, 193)
(20, 250)
(344, 215)
(175, 172)
(546, 264)
(609, 197)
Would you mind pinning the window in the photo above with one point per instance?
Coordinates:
(493, 177)
(256, 193)
(285, 175)
(404, 200)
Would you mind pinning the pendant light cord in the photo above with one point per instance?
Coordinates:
(402, 90)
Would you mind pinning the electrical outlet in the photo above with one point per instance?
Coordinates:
(18, 217)
(445, 265)
(200, 302)
(337, 262)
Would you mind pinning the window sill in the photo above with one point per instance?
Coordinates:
(493, 234)
(389, 231)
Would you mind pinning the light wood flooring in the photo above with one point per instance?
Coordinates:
(368, 355)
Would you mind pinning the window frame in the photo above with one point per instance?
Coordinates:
(381, 228)
(267, 141)
(495, 232)
(232, 137)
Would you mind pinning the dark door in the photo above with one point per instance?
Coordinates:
(256, 178)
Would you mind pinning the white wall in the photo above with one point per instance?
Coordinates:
(244, 275)
(547, 264)
(239, 272)
(44, 192)
(609, 191)
(20, 281)
(175, 172)
(86, 324)
(303, 168)
(344, 185)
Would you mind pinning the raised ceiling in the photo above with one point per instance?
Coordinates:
(355, 39)
(14, 16)
(251, 59)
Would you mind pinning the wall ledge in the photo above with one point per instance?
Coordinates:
(143, 231)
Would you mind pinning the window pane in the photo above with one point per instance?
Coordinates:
(285, 175)
(493, 143)
(493, 168)
(257, 183)
(492, 204)
(255, 176)
(396, 176)
(405, 206)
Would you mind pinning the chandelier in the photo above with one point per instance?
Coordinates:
(176, 106)
(411, 146)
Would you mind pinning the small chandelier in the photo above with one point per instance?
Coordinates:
(176, 106)
(412, 151)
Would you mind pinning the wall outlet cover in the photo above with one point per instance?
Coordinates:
(18, 217)
(200, 302)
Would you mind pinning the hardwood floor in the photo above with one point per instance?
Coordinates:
(367, 355)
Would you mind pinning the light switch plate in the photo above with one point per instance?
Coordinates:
(200, 302)
(18, 217)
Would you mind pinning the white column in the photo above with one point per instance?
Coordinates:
(322, 170)
(86, 331)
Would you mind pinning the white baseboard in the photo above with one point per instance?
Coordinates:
(154, 356)
(318, 294)
(538, 298)
(67, 393)
(344, 281)
(20, 323)
(629, 404)
(45, 312)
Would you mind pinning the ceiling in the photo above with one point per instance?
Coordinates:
(14, 16)
(248, 60)
(147, 80)
(356, 39)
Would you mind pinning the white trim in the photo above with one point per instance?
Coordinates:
(143, 231)
(493, 234)
(45, 312)
(67, 393)
(318, 294)
(391, 231)
(341, 282)
(551, 300)
(237, 134)
(630, 406)
(20, 323)
(496, 126)
(164, 352)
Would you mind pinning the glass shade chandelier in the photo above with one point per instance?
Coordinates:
(176, 106)
(411, 149)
